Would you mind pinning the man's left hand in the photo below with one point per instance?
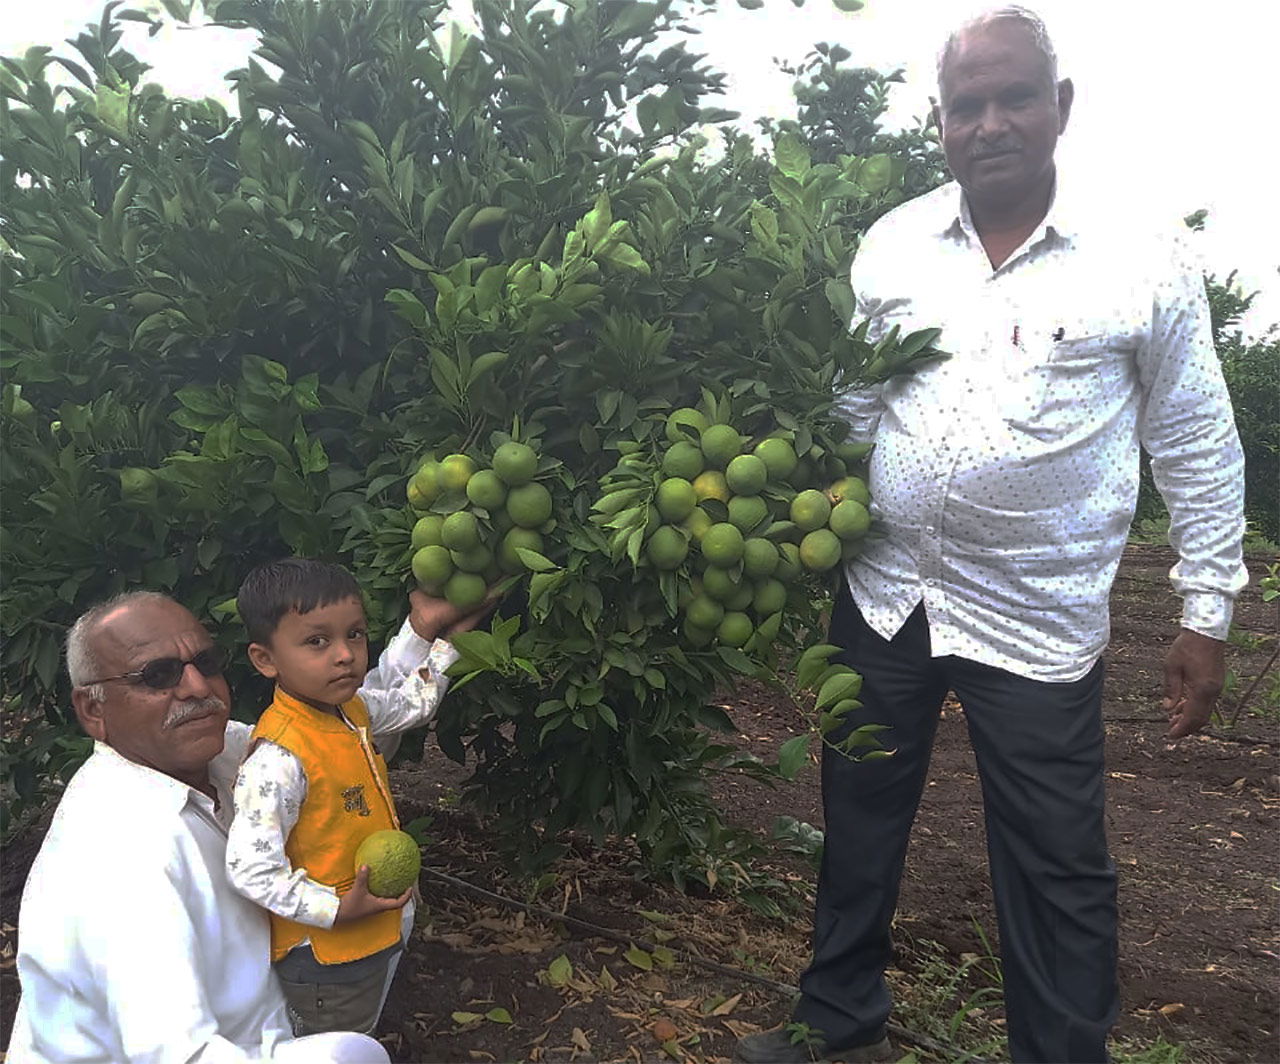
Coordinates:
(1194, 673)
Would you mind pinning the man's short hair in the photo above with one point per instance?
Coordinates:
(1011, 13)
(302, 584)
(82, 663)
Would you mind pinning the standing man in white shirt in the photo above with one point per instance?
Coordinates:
(133, 946)
(1005, 478)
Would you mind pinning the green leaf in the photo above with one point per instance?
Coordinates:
(410, 259)
(812, 663)
(498, 1015)
(791, 156)
(534, 561)
(792, 756)
(559, 971)
(846, 685)
(639, 958)
(464, 1018)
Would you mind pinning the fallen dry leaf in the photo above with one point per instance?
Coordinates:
(664, 1030)
(580, 1040)
(726, 1007)
(1171, 1010)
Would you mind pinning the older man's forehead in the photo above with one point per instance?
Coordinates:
(139, 631)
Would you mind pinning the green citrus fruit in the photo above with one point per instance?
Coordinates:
(704, 612)
(854, 488)
(770, 596)
(666, 548)
(747, 511)
(789, 567)
(721, 444)
(517, 537)
(697, 523)
(465, 590)
(778, 456)
(432, 565)
(852, 453)
(416, 499)
(698, 637)
(741, 598)
(735, 629)
(460, 531)
(719, 584)
(849, 519)
(683, 459)
(426, 531)
(455, 471)
(515, 463)
(810, 509)
(676, 499)
(427, 481)
(722, 545)
(394, 861)
(474, 559)
(529, 505)
(759, 557)
(746, 475)
(685, 424)
(820, 550)
(486, 489)
(711, 485)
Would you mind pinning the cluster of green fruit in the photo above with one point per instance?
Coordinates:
(475, 521)
(740, 519)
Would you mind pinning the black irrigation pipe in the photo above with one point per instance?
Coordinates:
(786, 989)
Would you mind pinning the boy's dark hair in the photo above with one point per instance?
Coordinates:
(272, 590)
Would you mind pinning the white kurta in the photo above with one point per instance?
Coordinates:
(132, 944)
(1005, 476)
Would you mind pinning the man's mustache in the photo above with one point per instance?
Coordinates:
(184, 711)
(983, 150)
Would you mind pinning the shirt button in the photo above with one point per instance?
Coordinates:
(931, 582)
(929, 529)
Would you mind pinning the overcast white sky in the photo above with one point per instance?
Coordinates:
(1171, 108)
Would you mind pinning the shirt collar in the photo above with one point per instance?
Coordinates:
(158, 787)
(1057, 223)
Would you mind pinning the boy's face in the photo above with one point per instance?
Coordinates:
(320, 657)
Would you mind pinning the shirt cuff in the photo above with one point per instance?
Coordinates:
(322, 906)
(1207, 613)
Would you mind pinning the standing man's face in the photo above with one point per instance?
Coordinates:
(1001, 113)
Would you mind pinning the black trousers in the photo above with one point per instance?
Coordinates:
(1039, 753)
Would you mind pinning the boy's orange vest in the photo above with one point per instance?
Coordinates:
(348, 798)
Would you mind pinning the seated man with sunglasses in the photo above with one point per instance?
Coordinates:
(132, 943)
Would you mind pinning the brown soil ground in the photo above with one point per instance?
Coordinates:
(1193, 827)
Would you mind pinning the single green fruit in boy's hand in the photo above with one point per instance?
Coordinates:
(394, 861)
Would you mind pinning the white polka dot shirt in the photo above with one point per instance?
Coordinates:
(1005, 477)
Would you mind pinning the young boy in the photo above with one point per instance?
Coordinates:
(314, 785)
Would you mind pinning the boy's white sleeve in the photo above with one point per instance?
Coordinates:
(405, 688)
(269, 793)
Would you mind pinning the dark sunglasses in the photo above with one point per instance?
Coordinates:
(164, 673)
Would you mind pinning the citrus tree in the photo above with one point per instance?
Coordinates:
(489, 295)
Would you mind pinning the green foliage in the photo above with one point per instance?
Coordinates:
(227, 339)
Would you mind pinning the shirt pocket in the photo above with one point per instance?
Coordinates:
(1074, 384)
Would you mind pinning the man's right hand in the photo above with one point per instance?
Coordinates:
(358, 903)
